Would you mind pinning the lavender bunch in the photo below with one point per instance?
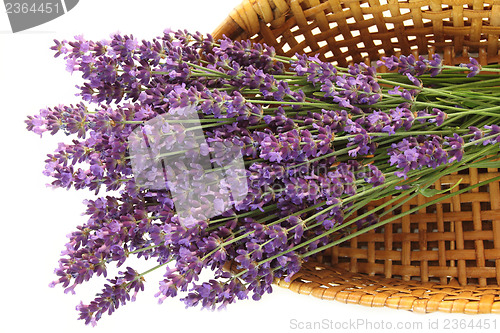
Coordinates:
(286, 153)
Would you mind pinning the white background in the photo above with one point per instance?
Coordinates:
(35, 219)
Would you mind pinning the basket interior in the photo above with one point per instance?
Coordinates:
(344, 31)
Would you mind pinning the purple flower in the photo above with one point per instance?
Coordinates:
(414, 80)
(473, 66)
(60, 47)
(410, 155)
(494, 134)
(440, 117)
(414, 153)
(404, 93)
(456, 147)
(316, 70)
(328, 88)
(392, 62)
(71, 65)
(409, 65)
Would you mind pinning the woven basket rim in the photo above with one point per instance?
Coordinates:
(333, 283)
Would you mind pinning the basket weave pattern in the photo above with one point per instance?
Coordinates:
(456, 239)
(445, 257)
(356, 30)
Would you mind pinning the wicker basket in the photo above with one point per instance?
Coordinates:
(442, 258)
